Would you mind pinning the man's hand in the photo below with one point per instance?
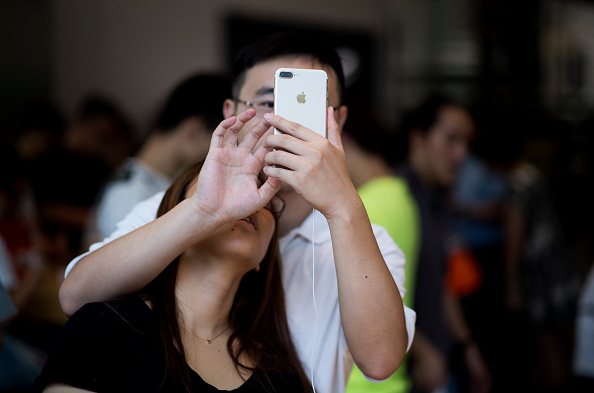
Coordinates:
(228, 187)
(478, 372)
(315, 167)
(371, 309)
(431, 370)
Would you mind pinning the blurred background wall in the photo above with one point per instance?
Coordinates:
(135, 50)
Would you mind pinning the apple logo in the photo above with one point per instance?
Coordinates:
(301, 98)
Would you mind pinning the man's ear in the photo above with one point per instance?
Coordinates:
(343, 111)
(191, 126)
(229, 108)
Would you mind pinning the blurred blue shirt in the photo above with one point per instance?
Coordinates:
(478, 185)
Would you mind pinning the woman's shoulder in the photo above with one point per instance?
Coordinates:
(130, 314)
(105, 347)
(127, 306)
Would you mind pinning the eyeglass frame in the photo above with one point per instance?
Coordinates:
(252, 103)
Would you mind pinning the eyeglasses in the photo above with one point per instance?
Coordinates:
(261, 105)
(276, 206)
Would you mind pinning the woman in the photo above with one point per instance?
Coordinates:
(213, 320)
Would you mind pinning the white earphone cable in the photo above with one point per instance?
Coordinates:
(313, 286)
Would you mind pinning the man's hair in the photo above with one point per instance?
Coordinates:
(41, 115)
(421, 118)
(199, 95)
(96, 106)
(368, 130)
(288, 44)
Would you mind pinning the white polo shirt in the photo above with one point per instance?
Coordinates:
(133, 182)
(331, 360)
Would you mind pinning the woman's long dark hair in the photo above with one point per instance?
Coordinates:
(258, 317)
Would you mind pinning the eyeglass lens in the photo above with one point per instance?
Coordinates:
(261, 105)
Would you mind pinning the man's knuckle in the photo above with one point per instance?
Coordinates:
(281, 141)
(310, 168)
(302, 179)
(286, 141)
(317, 157)
(276, 155)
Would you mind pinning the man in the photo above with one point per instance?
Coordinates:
(358, 307)
(182, 133)
(436, 135)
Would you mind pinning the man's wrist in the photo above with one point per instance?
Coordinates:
(348, 211)
(199, 219)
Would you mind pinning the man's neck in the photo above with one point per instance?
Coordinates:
(157, 153)
(418, 166)
(368, 168)
(296, 212)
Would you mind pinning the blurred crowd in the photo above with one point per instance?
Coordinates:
(490, 270)
(51, 177)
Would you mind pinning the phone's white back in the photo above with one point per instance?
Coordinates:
(303, 98)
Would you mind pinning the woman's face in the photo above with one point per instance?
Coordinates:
(247, 240)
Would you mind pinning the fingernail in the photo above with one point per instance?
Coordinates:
(268, 116)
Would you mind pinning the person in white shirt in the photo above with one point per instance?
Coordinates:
(358, 272)
(181, 133)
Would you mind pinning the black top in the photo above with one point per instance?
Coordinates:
(432, 260)
(115, 347)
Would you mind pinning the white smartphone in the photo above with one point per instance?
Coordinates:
(301, 96)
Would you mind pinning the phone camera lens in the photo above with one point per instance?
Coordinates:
(286, 74)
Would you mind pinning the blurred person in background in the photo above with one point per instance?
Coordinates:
(20, 271)
(53, 181)
(479, 197)
(540, 280)
(435, 137)
(101, 130)
(369, 150)
(181, 133)
(40, 128)
(583, 356)
(7, 308)
(67, 179)
(20, 360)
(8, 283)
